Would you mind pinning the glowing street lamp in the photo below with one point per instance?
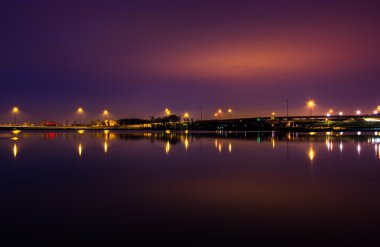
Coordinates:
(340, 113)
(311, 105)
(167, 111)
(186, 116)
(219, 113)
(15, 110)
(105, 114)
(375, 112)
(80, 112)
(229, 111)
(358, 112)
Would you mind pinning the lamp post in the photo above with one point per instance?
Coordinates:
(168, 112)
(105, 114)
(15, 110)
(229, 112)
(80, 112)
(219, 113)
(273, 115)
(311, 105)
(186, 116)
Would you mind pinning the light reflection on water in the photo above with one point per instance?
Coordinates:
(188, 140)
(139, 177)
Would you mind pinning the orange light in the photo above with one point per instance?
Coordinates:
(80, 110)
(15, 109)
(311, 103)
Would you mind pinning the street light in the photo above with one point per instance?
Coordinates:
(311, 105)
(105, 114)
(229, 111)
(219, 113)
(15, 110)
(80, 112)
(358, 112)
(167, 111)
(186, 116)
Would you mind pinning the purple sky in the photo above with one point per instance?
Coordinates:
(135, 58)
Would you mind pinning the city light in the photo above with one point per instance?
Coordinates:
(229, 110)
(311, 105)
(358, 112)
(186, 115)
(167, 112)
(80, 112)
(220, 111)
(105, 114)
(15, 110)
(328, 114)
(340, 113)
(375, 112)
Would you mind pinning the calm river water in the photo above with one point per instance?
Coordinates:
(189, 187)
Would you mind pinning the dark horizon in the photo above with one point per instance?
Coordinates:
(136, 58)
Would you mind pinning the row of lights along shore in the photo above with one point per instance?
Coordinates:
(310, 104)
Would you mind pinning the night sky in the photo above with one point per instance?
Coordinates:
(135, 58)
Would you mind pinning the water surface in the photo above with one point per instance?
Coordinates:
(176, 186)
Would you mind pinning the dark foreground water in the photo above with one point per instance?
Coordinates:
(227, 187)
